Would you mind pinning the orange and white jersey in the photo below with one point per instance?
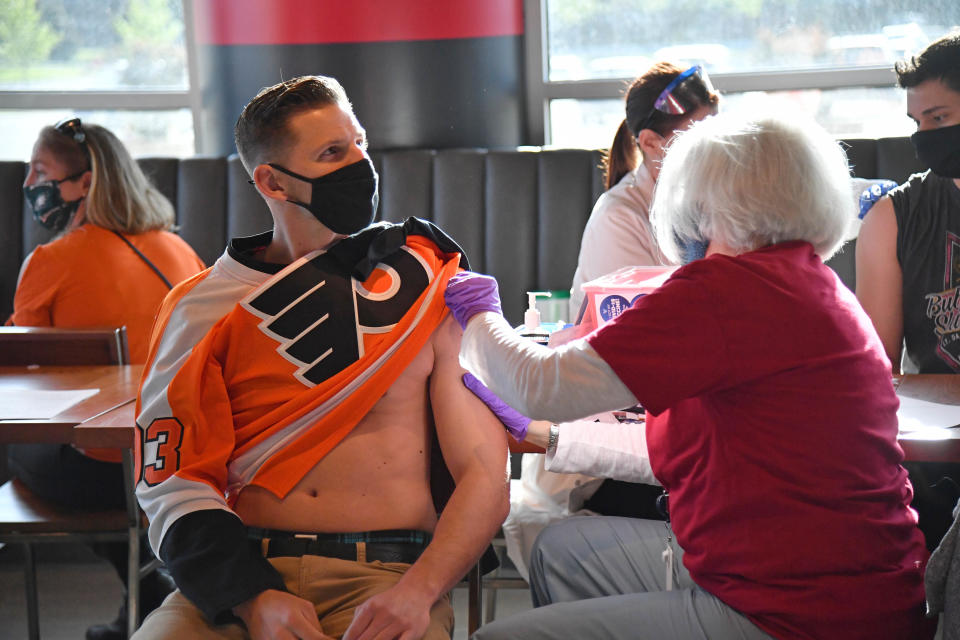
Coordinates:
(254, 376)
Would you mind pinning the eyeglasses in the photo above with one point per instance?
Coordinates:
(685, 93)
(73, 128)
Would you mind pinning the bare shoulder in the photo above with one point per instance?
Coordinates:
(879, 227)
(877, 245)
(446, 339)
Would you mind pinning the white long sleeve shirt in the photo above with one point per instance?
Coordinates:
(617, 451)
(618, 233)
(528, 377)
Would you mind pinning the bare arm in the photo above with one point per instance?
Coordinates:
(538, 433)
(880, 279)
(474, 448)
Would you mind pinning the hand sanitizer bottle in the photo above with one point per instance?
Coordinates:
(531, 318)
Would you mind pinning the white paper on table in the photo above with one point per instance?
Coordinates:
(922, 414)
(39, 404)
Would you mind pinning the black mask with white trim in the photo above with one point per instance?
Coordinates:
(345, 201)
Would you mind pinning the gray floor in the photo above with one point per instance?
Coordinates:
(77, 589)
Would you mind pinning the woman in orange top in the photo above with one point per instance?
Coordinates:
(111, 265)
(116, 258)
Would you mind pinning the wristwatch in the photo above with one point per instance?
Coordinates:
(552, 438)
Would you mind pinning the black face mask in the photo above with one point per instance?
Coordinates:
(939, 149)
(345, 201)
(49, 208)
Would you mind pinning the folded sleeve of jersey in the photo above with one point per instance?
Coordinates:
(185, 438)
(186, 448)
(214, 564)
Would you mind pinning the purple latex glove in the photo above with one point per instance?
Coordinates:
(514, 421)
(470, 293)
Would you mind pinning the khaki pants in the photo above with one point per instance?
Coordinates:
(320, 580)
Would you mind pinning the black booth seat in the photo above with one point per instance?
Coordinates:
(518, 213)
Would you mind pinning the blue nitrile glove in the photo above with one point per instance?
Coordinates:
(470, 293)
(514, 421)
(873, 193)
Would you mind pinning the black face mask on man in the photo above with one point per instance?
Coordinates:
(939, 149)
(345, 201)
(48, 205)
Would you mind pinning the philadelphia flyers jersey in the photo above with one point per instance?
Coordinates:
(257, 371)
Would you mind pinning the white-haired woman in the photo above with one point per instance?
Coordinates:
(771, 417)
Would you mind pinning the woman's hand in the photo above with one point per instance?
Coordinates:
(538, 432)
(470, 293)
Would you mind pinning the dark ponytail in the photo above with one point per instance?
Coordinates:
(622, 158)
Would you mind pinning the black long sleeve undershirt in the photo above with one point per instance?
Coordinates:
(215, 565)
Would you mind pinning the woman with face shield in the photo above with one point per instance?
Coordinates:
(662, 101)
(771, 417)
(111, 263)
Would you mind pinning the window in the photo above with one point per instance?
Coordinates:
(831, 58)
(167, 132)
(119, 63)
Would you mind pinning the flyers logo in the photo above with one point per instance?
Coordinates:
(161, 450)
(320, 315)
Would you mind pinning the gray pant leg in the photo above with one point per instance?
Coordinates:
(687, 614)
(590, 557)
(606, 576)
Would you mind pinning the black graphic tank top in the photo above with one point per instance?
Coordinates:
(928, 249)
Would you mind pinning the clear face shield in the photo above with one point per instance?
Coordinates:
(686, 93)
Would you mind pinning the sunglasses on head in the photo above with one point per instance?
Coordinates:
(73, 128)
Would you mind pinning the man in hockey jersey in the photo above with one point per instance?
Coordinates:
(290, 401)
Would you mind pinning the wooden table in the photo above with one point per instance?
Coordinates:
(104, 420)
(931, 445)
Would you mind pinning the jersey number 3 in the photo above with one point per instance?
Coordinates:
(161, 450)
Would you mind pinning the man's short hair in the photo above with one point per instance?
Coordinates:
(940, 60)
(261, 130)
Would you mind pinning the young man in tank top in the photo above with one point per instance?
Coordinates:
(908, 250)
(908, 258)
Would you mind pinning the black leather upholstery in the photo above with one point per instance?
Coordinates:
(518, 213)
